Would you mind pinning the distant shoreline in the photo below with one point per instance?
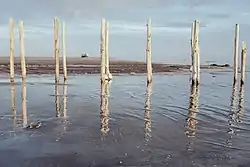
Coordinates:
(91, 65)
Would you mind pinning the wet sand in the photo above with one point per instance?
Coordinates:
(91, 65)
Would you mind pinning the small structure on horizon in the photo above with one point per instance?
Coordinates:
(84, 55)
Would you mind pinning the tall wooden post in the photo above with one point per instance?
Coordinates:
(195, 52)
(243, 63)
(192, 45)
(64, 51)
(236, 48)
(56, 49)
(197, 26)
(107, 72)
(22, 50)
(12, 71)
(102, 50)
(148, 52)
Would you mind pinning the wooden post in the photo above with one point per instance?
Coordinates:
(148, 52)
(107, 72)
(243, 63)
(196, 70)
(12, 71)
(24, 103)
(22, 50)
(102, 50)
(64, 52)
(197, 26)
(56, 49)
(192, 45)
(236, 48)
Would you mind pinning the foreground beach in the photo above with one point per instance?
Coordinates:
(91, 65)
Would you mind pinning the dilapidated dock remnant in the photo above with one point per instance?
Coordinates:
(22, 50)
(65, 74)
(148, 53)
(236, 52)
(56, 49)
(243, 63)
(195, 55)
(12, 47)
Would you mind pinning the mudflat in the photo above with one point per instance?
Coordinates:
(91, 65)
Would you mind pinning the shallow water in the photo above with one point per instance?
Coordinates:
(180, 126)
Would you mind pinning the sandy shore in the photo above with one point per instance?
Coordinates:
(77, 65)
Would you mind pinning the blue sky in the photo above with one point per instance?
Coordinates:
(171, 23)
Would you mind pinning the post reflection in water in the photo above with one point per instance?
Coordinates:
(193, 105)
(57, 100)
(147, 112)
(236, 112)
(65, 86)
(13, 102)
(104, 114)
(241, 103)
(233, 111)
(24, 103)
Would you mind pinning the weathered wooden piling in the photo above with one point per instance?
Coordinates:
(243, 63)
(12, 46)
(236, 51)
(197, 27)
(56, 49)
(148, 53)
(64, 51)
(195, 54)
(102, 50)
(22, 50)
(192, 45)
(107, 72)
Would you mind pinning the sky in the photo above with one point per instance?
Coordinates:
(171, 27)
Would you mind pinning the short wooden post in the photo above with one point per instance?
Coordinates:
(22, 50)
(12, 71)
(102, 50)
(236, 51)
(148, 52)
(24, 103)
(243, 63)
(56, 49)
(107, 72)
(64, 52)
